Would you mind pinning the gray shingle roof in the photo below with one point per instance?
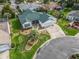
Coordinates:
(75, 15)
(29, 16)
(59, 48)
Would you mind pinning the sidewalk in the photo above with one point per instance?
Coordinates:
(55, 31)
(4, 55)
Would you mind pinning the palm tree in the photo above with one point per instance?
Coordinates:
(8, 10)
(70, 3)
(7, 15)
(34, 35)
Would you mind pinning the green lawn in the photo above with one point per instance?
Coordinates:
(68, 31)
(63, 23)
(20, 40)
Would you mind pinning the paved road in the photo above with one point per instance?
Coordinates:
(4, 26)
(59, 48)
(55, 31)
(5, 55)
(4, 38)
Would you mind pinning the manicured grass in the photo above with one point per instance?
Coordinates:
(19, 41)
(15, 24)
(63, 23)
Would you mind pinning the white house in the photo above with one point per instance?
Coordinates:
(28, 17)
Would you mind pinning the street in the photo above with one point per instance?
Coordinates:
(4, 38)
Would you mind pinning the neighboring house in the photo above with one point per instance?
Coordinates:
(28, 17)
(73, 16)
(51, 6)
(31, 6)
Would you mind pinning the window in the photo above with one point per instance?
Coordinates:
(27, 25)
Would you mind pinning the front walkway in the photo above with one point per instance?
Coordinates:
(55, 31)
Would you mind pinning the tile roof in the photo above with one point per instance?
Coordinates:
(29, 16)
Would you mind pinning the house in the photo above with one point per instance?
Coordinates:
(28, 18)
(73, 16)
(51, 6)
(31, 6)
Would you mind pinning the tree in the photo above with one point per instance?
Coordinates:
(7, 9)
(34, 35)
(4, 1)
(46, 1)
(31, 0)
(55, 13)
(70, 3)
(19, 1)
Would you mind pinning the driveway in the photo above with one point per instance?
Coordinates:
(4, 38)
(55, 31)
(77, 35)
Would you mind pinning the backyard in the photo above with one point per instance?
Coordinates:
(19, 41)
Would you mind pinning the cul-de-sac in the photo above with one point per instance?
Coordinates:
(39, 29)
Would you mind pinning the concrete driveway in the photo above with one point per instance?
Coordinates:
(55, 31)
